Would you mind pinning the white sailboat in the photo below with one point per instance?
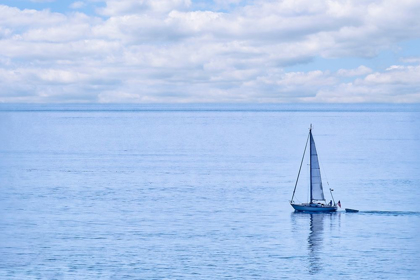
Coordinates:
(317, 202)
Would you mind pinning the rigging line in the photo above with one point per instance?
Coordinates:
(297, 179)
(324, 171)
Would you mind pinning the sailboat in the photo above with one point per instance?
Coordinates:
(317, 202)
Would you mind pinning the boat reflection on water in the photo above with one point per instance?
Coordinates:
(315, 240)
(316, 228)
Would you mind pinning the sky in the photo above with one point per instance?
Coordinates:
(209, 51)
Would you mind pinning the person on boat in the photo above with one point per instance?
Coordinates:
(330, 204)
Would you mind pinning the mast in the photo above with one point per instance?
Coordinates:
(310, 164)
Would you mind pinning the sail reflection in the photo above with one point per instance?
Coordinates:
(316, 228)
(315, 238)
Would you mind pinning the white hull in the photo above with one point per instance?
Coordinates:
(305, 207)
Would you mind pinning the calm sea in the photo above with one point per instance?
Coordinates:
(201, 192)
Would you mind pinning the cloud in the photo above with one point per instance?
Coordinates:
(411, 59)
(396, 74)
(166, 51)
(124, 7)
(360, 71)
(23, 20)
(77, 5)
(396, 84)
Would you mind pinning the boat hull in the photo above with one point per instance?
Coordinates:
(313, 208)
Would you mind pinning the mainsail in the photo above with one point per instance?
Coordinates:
(316, 182)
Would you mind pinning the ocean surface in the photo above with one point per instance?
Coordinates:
(202, 192)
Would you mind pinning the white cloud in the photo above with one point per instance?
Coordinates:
(163, 51)
(78, 5)
(360, 71)
(394, 67)
(400, 85)
(410, 59)
(124, 7)
(405, 75)
(21, 20)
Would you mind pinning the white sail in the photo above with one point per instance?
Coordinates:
(316, 182)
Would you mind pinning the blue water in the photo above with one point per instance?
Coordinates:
(201, 192)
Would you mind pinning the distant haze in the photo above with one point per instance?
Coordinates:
(181, 51)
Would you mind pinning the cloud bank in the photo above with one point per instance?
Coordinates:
(229, 51)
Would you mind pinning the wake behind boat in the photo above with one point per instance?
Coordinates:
(317, 202)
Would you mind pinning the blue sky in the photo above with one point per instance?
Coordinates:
(58, 6)
(64, 6)
(172, 51)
